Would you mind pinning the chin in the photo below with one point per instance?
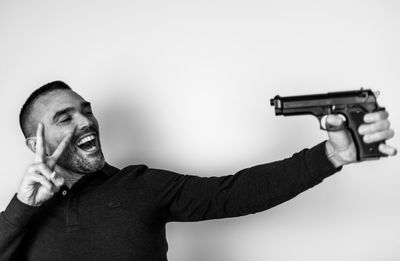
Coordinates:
(90, 165)
(83, 162)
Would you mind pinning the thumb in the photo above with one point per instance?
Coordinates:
(61, 172)
(340, 139)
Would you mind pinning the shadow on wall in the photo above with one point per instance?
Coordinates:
(128, 137)
(213, 240)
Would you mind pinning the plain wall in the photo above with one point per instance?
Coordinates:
(185, 86)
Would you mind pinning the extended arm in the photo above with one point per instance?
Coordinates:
(192, 198)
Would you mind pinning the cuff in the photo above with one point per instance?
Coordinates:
(19, 214)
(319, 163)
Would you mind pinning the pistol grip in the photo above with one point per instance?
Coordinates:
(365, 151)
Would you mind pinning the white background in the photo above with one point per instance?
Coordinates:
(185, 86)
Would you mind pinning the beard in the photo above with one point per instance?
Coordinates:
(77, 160)
(72, 160)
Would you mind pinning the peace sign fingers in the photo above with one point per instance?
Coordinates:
(40, 148)
(61, 147)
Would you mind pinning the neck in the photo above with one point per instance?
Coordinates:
(70, 177)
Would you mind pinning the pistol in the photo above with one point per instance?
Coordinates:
(350, 105)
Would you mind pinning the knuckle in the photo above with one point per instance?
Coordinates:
(42, 179)
(29, 169)
(385, 114)
(29, 176)
(50, 193)
(41, 165)
(391, 133)
(379, 126)
(33, 168)
(385, 124)
(50, 161)
(383, 135)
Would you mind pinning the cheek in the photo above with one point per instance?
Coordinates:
(50, 148)
(53, 141)
(94, 120)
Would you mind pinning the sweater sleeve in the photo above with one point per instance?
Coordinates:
(192, 198)
(13, 224)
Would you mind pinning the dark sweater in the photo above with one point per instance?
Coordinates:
(121, 214)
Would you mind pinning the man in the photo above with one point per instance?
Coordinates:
(72, 205)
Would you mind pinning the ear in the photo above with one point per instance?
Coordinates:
(31, 143)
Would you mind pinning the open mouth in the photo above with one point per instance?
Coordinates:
(87, 143)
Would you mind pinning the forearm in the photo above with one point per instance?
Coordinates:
(14, 223)
(264, 186)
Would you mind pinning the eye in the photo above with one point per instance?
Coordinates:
(65, 119)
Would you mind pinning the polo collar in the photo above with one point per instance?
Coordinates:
(109, 170)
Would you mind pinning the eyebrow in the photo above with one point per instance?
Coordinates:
(59, 113)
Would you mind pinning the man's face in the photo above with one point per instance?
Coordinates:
(62, 112)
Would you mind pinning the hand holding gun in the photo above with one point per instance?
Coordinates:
(360, 131)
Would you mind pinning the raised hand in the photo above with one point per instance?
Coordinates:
(40, 181)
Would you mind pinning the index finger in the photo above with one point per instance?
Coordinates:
(61, 147)
(39, 147)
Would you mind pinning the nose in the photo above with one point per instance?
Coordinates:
(83, 122)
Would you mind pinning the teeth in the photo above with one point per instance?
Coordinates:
(86, 139)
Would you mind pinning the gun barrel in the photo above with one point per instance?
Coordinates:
(290, 103)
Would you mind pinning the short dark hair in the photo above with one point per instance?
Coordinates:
(27, 108)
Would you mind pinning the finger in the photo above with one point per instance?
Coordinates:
(379, 136)
(374, 127)
(42, 180)
(44, 170)
(40, 147)
(61, 147)
(58, 181)
(335, 120)
(376, 116)
(58, 169)
(341, 139)
(387, 149)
